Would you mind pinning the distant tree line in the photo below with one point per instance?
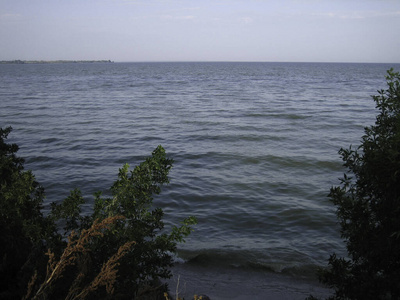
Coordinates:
(52, 61)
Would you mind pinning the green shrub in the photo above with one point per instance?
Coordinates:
(134, 245)
(23, 228)
(368, 208)
(132, 192)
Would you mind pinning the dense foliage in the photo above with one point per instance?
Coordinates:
(23, 228)
(120, 249)
(368, 208)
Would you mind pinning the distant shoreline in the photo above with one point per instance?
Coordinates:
(20, 62)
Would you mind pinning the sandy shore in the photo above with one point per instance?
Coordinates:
(240, 285)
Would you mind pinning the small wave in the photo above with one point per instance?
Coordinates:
(31, 98)
(278, 115)
(298, 266)
(49, 140)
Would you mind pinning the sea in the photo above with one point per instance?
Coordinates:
(255, 149)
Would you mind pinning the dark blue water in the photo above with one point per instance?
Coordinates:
(255, 148)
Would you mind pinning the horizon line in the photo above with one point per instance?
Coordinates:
(186, 61)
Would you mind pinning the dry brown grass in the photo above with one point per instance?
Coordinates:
(76, 251)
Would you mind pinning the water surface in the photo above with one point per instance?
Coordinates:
(255, 148)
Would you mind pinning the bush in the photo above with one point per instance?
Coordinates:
(368, 208)
(23, 228)
(123, 236)
(152, 255)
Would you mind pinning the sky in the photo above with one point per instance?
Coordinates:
(201, 30)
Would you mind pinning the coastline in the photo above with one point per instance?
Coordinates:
(21, 62)
(224, 284)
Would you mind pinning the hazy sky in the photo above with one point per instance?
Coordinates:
(201, 30)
